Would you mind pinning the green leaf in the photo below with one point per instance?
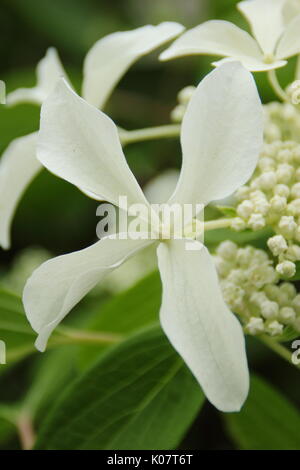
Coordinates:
(53, 372)
(268, 421)
(7, 423)
(127, 312)
(15, 330)
(139, 395)
(227, 211)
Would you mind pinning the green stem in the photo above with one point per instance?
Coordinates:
(150, 133)
(26, 432)
(276, 86)
(218, 223)
(277, 348)
(70, 335)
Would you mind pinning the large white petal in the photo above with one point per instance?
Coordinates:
(80, 144)
(111, 56)
(60, 283)
(199, 325)
(289, 43)
(49, 70)
(221, 136)
(216, 37)
(18, 166)
(266, 20)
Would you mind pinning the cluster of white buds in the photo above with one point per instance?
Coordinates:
(282, 120)
(251, 288)
(183, 99)
(272, 199)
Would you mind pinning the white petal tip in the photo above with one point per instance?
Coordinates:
(166, 55)
(41, 343)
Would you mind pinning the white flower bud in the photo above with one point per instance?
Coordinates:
(277, 245)
(293, 253)
(237, 276)
(293, 91)
(294, 207)
(284, 173)
(238, 224)
(245, 209)
(296, 154)
(186, 94)
(223, 267)
(287, 314)
(296, 303)
(258, 298)
(177, 113)
(272, 292)
(282, 190)
(261, 206)
(288, 288)
(266, 163)
(278, 203)
(255, 326)
(269, 309)
(267, 180)
(297, 174)
(257, 222)
(284, 156)
(287, 226)
(286, 269)
(233, 294)
(295, 191)
(242, 193)
(227, 250)
(275, 328)
(244, 256)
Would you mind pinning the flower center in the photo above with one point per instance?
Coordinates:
(269, 58)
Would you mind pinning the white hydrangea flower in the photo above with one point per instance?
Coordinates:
(104, 65)
(273, 41)
(81, 144)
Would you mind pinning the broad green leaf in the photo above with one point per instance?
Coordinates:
(54, 371)
(268, 421)
(127, 312)
(7, 423)
(7, 431)
(139, 395)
